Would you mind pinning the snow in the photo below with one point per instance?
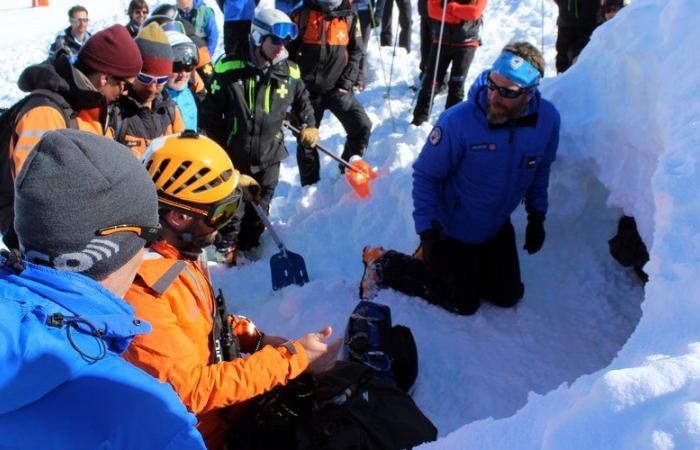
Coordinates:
(588, 359)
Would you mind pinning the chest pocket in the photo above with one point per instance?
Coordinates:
(528, 166)
(320, 31)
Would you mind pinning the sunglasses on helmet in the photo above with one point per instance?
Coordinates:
(506, 92)
(149, 79)
(148, 234)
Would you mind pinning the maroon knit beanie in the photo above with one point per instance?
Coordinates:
(112, 51)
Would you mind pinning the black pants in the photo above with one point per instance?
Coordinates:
(426, 43)
(366, 29)
(568, 37)
(351, 115)
(246, 227)
(458, 275)
(460, 58)
(404, 24)
(235, 33)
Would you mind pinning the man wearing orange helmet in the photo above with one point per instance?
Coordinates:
(195, 346)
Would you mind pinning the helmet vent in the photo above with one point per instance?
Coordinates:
(176, 175)
(227, 174)
(207, 186)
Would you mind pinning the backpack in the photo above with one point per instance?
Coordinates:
(346, 408)
(389, 350)
(8, 122)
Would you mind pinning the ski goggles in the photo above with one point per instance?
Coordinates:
(281, 31)
(222, 212)
(150, 79)
(148, 234)
(180, 66)
(504, 91)
(517, 70)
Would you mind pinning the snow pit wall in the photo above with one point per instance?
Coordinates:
(630, 113)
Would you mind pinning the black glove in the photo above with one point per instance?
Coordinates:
(534, 234)
(431, 241)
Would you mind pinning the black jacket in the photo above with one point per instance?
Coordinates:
(246, 105)
(328, 48)
(65, 44)
(578, 13)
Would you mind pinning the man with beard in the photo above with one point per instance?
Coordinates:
(482, 159)
(194, 344)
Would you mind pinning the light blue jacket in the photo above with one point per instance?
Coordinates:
(470, 176)
(63, 385)
(186, 104)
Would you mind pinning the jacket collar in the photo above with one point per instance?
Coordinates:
(80, 296)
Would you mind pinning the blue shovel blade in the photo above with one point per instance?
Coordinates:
(287, 269)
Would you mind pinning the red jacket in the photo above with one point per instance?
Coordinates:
(462, 21)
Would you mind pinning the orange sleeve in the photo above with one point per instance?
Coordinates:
(467, 12)
(30, 128)
(178, 123)
(199, 85)
(167, 354)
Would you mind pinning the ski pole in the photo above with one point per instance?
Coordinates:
(437, 57)
(391, 76)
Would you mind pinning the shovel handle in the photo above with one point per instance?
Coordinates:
(296, 132)
(269, 226)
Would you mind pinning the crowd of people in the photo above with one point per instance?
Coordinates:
(133, 153)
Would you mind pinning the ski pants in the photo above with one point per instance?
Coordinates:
(366, 29)
(457, 275)
(245, 228)
(235, 34)
(426, 36)
(460, 58)
(404, 23)
(351, 115)
(567, 37)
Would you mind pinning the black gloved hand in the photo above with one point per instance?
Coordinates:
(534, 234)
(431, 242)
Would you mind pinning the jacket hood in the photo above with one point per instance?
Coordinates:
(61, 77)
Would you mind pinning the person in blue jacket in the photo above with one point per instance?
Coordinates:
(483, 157)
(238, 16)
(63, 384)
(202, 19)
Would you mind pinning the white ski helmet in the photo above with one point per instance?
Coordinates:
(272, 22)
(184, 49)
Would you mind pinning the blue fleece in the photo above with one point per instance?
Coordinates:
(52, 397)
(470, 177)
(187, 106)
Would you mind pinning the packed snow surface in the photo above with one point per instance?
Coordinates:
(581, 362)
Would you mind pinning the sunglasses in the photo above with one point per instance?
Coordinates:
(148, 234)
(504, 91)
(221, 213)
(276, 40)
(179, 66)
(80, 20)
(149, 79)
(140, 12)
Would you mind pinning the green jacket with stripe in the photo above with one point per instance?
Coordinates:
(246, 105)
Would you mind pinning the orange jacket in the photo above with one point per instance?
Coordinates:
(81, 100)
(175, 295)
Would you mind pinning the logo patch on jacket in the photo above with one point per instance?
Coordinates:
(435, 136)
(483, 147)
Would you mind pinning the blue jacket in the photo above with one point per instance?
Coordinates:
(204, 21)
(187, 105)
(51, 397)
(470, 176)
(238, 10)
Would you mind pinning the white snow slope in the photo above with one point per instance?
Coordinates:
(581, 362)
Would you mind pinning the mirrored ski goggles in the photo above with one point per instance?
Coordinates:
(181, 66)
(150, 79)
(506, 92)
(148, 234)
(221, 213)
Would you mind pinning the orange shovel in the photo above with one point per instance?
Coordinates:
(360, 174)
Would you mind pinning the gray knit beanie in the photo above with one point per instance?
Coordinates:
(72, 184)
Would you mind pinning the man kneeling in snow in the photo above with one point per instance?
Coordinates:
(482, 158)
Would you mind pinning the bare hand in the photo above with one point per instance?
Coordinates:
(321, 356)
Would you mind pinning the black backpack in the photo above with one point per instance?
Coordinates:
(8, 122)
(391, 351)
(346, 408)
